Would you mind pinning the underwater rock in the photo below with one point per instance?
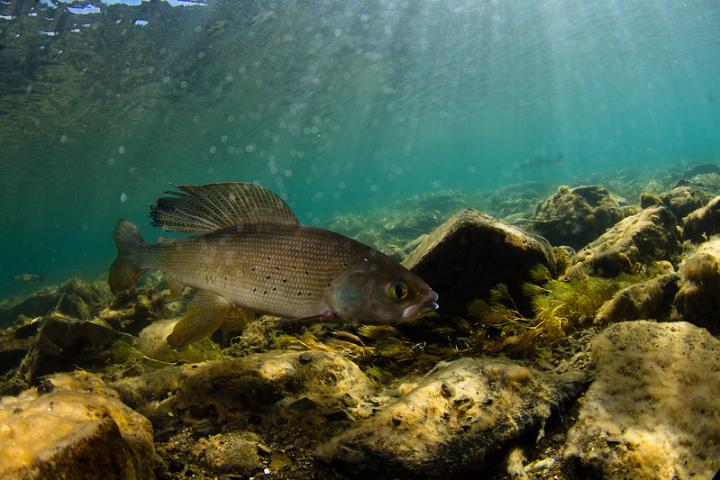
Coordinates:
(698, 300)
(452, 421)
(684, 199)
(650, 299)
(702, 223)
(649, 200)
(577, 216)
(75, 298)
(253, 384)
(234, 452)
(637, 240)
(73, 432)
(133, 310)
(63, 343)
(652, 410)
(477, 251)
(701, 169)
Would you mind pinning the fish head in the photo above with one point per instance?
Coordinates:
(379, 290)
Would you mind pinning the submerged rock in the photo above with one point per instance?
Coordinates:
(234, 452)
(684, 199)
(698, 300)
(577, 216)
(702, 223)
(63, 343)
(652, 410)
(71, 433)
(477, 251)
(650, 299)
(634, 242)
(451, 422)
(75, 298)
(254, 384)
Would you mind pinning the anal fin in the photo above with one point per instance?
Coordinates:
(205, 314)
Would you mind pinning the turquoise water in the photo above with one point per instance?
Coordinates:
(337, 105)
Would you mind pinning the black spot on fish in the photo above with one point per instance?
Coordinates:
(284, 280)
(274, 288)
(277, 268)
(299, 293)
(268, 257)
(345, 265)
(252, 269)
(267, 277)
(254, 290)
(265, 292)
(306, 272)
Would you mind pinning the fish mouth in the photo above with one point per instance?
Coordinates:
(428, 305)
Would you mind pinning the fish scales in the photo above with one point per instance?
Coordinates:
(274, 268)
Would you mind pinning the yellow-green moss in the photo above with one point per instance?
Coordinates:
(558, 307)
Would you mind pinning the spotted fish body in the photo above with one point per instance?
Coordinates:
(251, 252)
(284, 270)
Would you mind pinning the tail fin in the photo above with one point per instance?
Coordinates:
(125, 270)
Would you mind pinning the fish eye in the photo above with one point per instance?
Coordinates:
(398, 291)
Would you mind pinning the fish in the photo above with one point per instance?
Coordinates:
(250, 251)
(538, 162)
(28, 278)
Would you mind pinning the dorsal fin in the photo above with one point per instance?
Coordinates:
(207, 208)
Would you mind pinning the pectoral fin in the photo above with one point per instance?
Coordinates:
(203, 316)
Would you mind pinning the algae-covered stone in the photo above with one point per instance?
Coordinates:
(652, 410)
(73, 434)
(477, 251)
(452, 421)
(650, 299)
(703, 222)
(698, 300)
(684, 199)
(577, 216)
(63, 343)
(634, 242)
(234, 452)
(74, 298)
(255, 383)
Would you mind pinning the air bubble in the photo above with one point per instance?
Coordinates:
(63, 138)
(123, 197)
(121, 150)
(213, 149)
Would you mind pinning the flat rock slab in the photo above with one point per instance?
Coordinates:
(477, 251)
(73, 434)
(451, 421)
(652, 411)
(637, 240)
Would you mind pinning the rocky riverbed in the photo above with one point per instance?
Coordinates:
(577, 338)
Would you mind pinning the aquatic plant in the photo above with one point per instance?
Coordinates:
(559, 306)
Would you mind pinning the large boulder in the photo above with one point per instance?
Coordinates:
(702, 223)
(652, 410)
(698, 300)
(636, 241)
(476, 251)
(77, 430)
(452, 422)
(577, 216)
